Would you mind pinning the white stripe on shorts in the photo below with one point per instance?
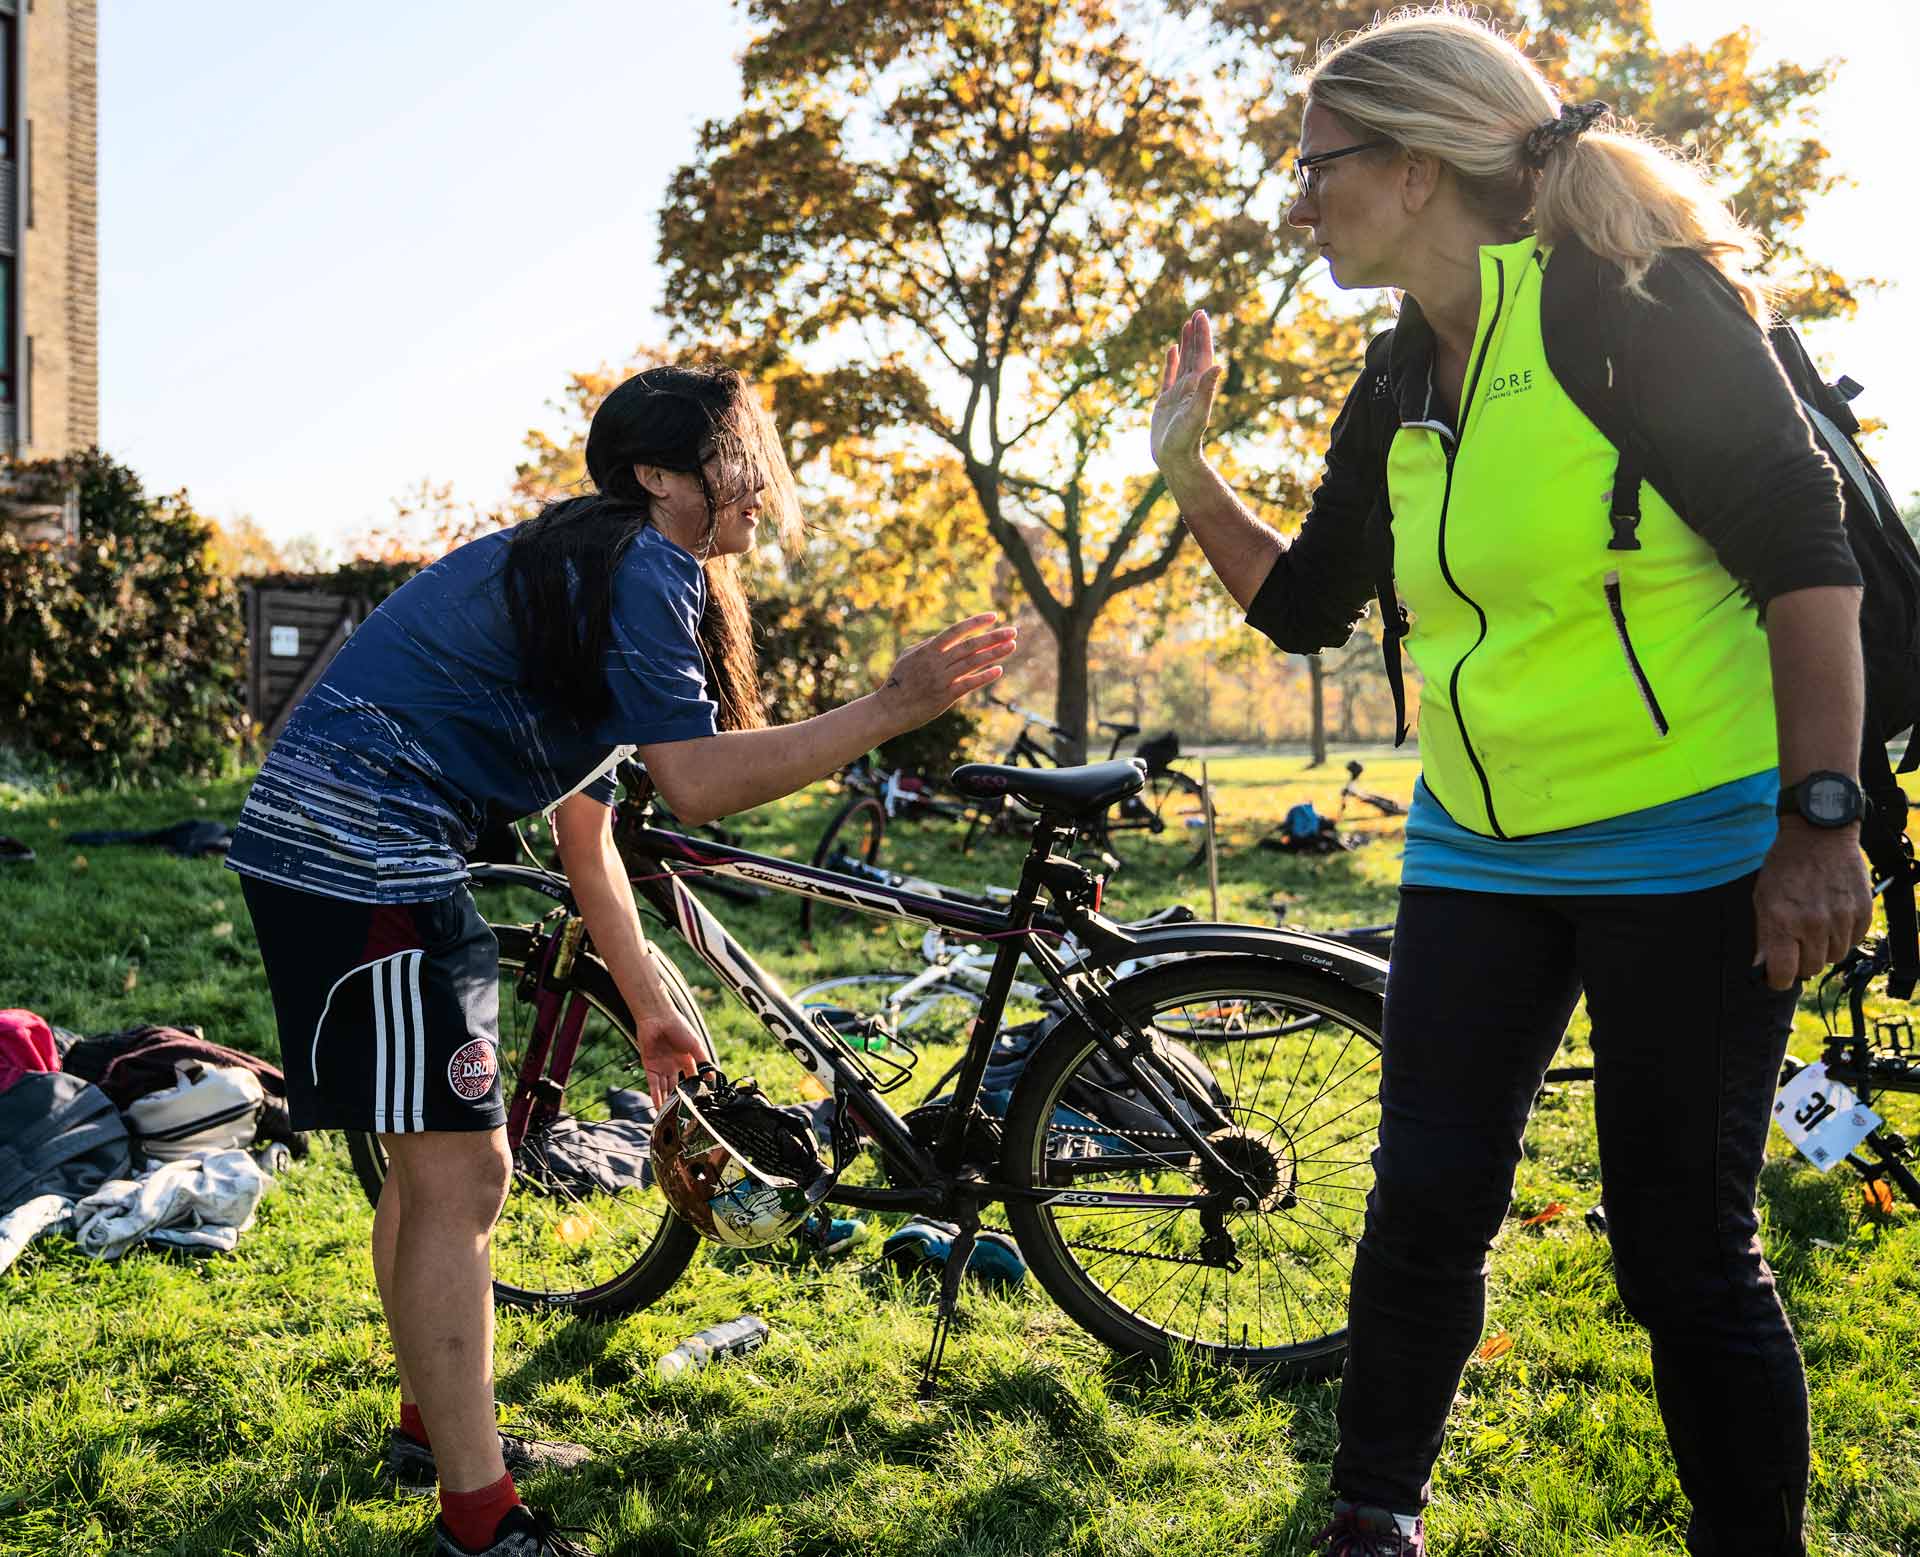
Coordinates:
(397, 1026)
(417, 1114)
(378, 973)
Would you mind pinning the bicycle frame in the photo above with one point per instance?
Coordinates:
(825, 1055)
(666, 860)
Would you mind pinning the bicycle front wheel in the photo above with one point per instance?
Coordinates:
(584, 1226)
(1291, 1057)
(852, 838)
(936, 1013)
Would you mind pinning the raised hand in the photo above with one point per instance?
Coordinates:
(1187, 386)
(931, 677)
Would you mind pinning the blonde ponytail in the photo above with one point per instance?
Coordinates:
(1437, 80)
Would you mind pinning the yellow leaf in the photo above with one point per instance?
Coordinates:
(1495, 1346)
(573, 1230)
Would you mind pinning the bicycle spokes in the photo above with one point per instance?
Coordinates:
(1255, 1257)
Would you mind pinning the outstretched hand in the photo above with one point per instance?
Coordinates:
(931, 677)
(1187, 386)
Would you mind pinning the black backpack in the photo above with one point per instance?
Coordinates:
(1889, 564)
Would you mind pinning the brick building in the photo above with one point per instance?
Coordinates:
(49, 243)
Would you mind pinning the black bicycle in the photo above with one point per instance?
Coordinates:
(1386, 805)
(1184, 1160)
(1877, 1055)
(1162, 827)
(857, 830)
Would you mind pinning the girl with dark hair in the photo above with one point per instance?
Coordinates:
(511, 677)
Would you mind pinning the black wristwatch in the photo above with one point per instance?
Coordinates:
(1822, 799)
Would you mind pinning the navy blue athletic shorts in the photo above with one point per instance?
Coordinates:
(389, 1013)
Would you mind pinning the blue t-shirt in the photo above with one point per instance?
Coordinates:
(419, 734)
(1687, 845)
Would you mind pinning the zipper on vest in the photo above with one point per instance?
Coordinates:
(1452, 447)
(1616, 608)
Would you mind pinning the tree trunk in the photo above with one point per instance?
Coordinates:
(1317, 674)
(1071, 702)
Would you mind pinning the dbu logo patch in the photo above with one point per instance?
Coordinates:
(472, 1070)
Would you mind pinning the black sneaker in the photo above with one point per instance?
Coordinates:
(410, 1462)
(523, 1533)
(1359, 1531)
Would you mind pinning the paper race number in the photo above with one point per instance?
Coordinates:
(1822, 1117)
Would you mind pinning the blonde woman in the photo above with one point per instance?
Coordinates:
(1621, 773)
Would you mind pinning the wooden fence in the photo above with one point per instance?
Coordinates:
(292, 635)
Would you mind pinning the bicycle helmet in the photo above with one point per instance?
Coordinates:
(734, 1167)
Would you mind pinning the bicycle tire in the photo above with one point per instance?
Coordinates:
(619, 1286)
(1202, 1002)
(1148, 832)
(859, 825)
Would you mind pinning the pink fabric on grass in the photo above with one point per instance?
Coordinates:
(26, 1044)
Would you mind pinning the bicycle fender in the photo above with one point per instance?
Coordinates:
(1296, 948)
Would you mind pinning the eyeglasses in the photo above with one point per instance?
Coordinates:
(1305, 167)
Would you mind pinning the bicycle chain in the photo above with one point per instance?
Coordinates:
(1142, 1254)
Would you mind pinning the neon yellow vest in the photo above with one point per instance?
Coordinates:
(1564, 682)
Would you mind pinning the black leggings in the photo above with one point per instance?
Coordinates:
(1687, 1047)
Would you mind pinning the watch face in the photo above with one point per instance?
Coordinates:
(1828, 801)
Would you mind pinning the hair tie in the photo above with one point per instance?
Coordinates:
(1574, 121)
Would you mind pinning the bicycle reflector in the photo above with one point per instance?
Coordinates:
(733, 1167)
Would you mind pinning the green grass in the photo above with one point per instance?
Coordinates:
(238, 1405)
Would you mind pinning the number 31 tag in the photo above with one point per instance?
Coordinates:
(1822, 1118)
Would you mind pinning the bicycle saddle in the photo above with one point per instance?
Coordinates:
(1063, 791)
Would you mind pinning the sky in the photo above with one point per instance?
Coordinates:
(348, 249)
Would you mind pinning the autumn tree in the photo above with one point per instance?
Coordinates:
(956, 233)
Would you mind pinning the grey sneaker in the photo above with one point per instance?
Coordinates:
(523, 1533)
(1357, 1530)
(410, 1462)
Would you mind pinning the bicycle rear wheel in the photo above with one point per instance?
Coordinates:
(853, 837)
(584, 1227)
(1291, 1056)
(1161, 830)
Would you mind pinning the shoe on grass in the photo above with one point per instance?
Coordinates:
(1359, 1530)
(523, 1533)
(410, 1462)
(924, 1242)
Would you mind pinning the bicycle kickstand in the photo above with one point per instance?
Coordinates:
(950, 1279)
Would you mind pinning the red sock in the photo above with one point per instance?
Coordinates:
(473, 1518)
(413, 1425)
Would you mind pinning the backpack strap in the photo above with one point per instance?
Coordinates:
(1393, 615)
(1623, 507)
